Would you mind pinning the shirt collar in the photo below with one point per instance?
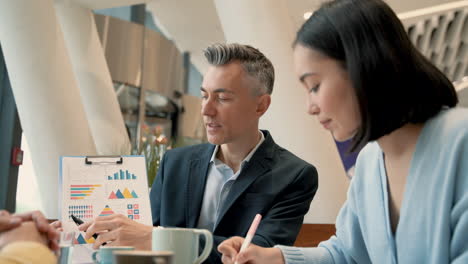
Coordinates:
(248, 157)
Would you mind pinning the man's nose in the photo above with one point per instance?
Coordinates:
(207, 108)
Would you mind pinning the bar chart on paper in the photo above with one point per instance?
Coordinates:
(92, 187)
(83, 191)
(122, 175)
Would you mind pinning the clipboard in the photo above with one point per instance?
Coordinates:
(92, 186)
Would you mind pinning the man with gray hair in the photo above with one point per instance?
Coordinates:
(241, 172)
(252, 60)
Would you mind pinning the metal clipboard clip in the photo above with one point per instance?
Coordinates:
(93, 160)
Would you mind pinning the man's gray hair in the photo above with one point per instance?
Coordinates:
(253, 61)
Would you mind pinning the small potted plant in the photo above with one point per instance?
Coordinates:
(153, 145)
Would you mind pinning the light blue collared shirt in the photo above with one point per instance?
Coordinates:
(218, 184)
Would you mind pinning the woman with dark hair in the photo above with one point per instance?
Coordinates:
(408, 200)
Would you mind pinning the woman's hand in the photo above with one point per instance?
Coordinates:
(57, 225)
(7, 221)
(42, 225)
(253, 254)
(11, 221)
(26, 231)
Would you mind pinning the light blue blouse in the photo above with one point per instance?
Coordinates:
(433, 223)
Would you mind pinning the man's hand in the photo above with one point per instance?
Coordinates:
(253, 254)
(27, 231)
(118, 230)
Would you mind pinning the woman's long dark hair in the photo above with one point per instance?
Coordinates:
(394, 83)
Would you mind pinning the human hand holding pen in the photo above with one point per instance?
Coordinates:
(79, 222)
(119, 230)
(253, 254)
(239, 250)
(250, 234)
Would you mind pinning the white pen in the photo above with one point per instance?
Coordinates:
(251, 233)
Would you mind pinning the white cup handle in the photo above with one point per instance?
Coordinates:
(95, 257)
(208, 245)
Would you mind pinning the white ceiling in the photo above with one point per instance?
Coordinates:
(102, 4)
(194, 24)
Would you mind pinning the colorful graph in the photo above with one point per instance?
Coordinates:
(133, 211)
(107, 211)
(121, 175)
(80, 240)
(80, 211)
(126, 194)
(80, 192)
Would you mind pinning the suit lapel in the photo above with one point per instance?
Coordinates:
(198, 172)
(246, 178)
(256, 167)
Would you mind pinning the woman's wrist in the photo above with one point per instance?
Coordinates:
(276, 256)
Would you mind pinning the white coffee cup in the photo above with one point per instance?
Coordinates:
(184, 242)
(143, 257)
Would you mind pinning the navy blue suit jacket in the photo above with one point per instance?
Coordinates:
(274, 183)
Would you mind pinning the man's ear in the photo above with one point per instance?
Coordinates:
(263, 102)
